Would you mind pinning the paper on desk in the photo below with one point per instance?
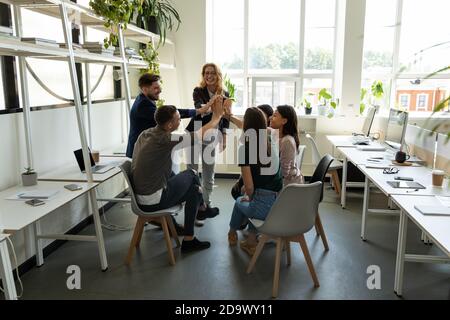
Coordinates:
(34, 194)
(444, 200)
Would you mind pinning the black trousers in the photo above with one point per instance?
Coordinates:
(182, 187)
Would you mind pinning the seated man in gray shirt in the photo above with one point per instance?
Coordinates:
(155, 185)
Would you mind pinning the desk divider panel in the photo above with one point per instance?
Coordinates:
(443, 153)
(421, 143)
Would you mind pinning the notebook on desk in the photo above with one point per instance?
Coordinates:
(38, 194)
(435, 210)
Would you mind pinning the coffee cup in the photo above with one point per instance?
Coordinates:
(96, 156)
(401, 157)
(437, 177)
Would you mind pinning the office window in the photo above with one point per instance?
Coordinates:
(273, 56)
(402, 49)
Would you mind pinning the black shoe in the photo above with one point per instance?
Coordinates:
(194, 245)
(208, 213)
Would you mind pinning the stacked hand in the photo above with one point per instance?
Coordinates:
(227, 107)
(217, 106)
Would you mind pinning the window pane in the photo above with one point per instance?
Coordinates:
(239, 93)
(425, 34)
(313, 86)
(284, 93)
(264, 92)
(228, 34)
(319, 35)
(369, 98)
(422, 97)
(379, 30)
(273, 43)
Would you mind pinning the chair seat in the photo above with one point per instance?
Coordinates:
(335, 165)
(170, 210)
(257, 223)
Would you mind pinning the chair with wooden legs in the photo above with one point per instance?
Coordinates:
(319, 175)
(161, 216)
(333, 168)
(287, 223)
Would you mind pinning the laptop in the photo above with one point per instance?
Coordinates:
(95, 168)
(363, 139)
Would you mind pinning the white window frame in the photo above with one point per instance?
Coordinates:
(250, 78)
(408, 96)
(423, 94)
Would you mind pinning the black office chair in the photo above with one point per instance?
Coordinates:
(319, 175)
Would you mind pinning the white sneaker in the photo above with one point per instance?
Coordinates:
(199, 223)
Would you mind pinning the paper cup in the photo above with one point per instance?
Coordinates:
(437, 177)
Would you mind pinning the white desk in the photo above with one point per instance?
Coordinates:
(376, 176)
(437, 228)
(346, 141)
(115, 152)
(73, 173)
(6, 272)
(16, 215)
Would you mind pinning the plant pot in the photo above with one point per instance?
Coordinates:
(322, 110)
(29, 179)
(308, 110)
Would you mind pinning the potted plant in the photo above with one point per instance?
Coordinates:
(377, 91)
(324, 98)
(117, 13)
(29, 177)
(231, 88)
(333, 105)
(158, 16)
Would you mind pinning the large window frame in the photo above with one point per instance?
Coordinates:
(395, 75)
(250, 79)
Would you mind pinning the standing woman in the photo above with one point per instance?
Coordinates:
(210, 85)
(284, 119)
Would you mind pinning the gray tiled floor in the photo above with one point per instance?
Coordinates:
(219, 272)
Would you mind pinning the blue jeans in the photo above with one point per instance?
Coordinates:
(258, 208)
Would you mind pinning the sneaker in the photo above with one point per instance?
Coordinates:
(194, 245)
(232, 238)
(207, 213)
(248, 248)
(199, 223)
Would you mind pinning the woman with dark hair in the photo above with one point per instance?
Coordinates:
(267, 109)
(236, 190)
(262, 182)
(284, 120)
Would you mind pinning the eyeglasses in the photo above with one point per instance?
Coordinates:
(392, 170)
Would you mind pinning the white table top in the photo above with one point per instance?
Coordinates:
(360, 157)
(115, 152)
(345, 141)
(16, 214)
(437, 227)
(73, 173)
(420, 174)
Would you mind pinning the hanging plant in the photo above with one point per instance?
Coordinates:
(150, 55)
(116, 13)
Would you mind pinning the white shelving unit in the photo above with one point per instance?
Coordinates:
(67, 12)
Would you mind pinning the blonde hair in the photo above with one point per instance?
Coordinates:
(219, 88)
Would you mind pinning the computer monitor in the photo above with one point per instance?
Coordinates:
(369, 120)
(395, 132)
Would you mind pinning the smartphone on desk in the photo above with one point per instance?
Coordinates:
(35, 202)
(73, 187)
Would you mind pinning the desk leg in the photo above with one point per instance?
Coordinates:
(6, 272)
(98, 230)
(344, 183)
(401, 247)
(38, 244)
(365, 208)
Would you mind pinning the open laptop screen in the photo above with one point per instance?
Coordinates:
(369, 120)
(79, 156)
